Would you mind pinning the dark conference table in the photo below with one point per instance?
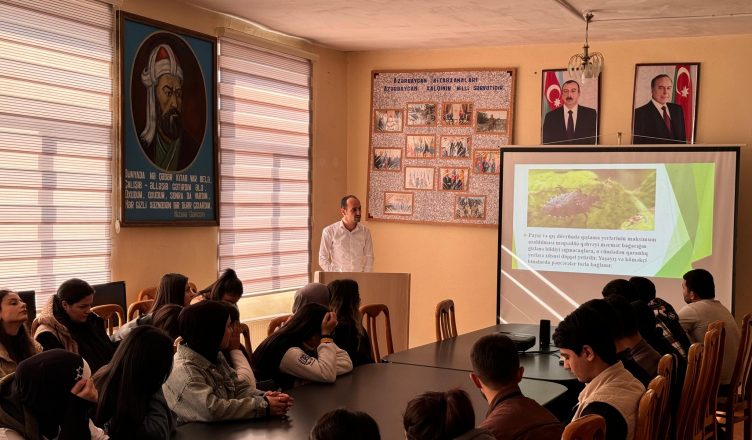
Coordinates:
(381, 390)
(455, 354)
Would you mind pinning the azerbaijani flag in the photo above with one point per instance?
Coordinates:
(552, 91)
(683, 97)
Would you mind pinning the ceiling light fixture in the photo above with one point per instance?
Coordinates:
(586, 65)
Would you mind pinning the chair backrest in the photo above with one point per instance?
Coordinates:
(646, 413)
(652, 409)
(109, 312)
(741, 379)
(684, 420)
(110, 293)
(710, 379)
(245, 331)
(147, 293)
(370, 312)
(667, 370)
(446, 325)
(589, 427)
(139, 308)
(29, 297)
(276, 323)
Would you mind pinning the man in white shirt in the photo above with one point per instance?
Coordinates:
(702, 309)
(346, 245)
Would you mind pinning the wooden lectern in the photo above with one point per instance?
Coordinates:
(392, 289)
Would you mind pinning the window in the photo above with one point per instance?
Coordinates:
(264, 116)
(55, 143)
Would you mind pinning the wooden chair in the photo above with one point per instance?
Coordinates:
(666, 369)
(710, 379)
(370, 312)
(651, 409)
(589, 427)
(683, 417)
(735, 406)
(147, 293)
(139, 308)
(108, 312)
(245, 331)
(446, 325)
(276, 323)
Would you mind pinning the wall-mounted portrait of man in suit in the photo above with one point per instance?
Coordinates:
(569, 109)
(665, 103)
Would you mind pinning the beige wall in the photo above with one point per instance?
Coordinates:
(140, 256)
(460, 262)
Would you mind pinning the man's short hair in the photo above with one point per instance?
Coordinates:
(571, 81)
(587, 325)
(495, 360)
(620, 287)
(343, 202)
(342, 424)
(654, 80)
(644, 287)
(626, 314)
(700, 281)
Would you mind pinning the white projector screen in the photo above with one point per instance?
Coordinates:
(572, 219)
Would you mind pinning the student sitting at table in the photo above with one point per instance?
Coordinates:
(15, 342)
(131, 402)
(202, 387)
(173, 289)
(442, 416)
(227, 288)
(349, 334)
(343, 424)
(234, 353)
(49, 396)
(643, 354)
(67, 322)
(587, 346)
(303, 350)
(497, 373)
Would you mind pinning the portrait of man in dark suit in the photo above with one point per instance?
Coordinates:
(570, 123)
(659, 121)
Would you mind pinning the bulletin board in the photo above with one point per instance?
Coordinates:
(435, 139)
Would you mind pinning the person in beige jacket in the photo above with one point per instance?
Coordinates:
(587, 346)
(15, 342)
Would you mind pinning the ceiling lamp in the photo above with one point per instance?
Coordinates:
(586, 65)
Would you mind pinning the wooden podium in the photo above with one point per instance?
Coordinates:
(392, 289)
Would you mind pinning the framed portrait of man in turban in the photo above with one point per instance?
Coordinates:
(169, 136)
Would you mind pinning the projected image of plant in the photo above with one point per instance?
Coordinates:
(621, 199)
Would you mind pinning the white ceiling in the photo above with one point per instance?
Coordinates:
(354, 25)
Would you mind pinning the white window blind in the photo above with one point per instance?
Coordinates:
(55, 143)
(264, 115)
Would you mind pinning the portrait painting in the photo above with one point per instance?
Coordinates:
(491, 121)
(398, 203)
(454, 179)
(569, 109)
(455, 147)
(421, 114)
(387, 159)
(664, 109)
(470, 207)
(419, 178)
(168, 91)
(486, 161)
(387, 121)
(420, 146)
(457, 113)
